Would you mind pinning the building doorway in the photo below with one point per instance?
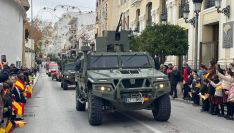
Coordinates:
(209, 48)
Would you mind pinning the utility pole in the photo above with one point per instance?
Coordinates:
(32, 32)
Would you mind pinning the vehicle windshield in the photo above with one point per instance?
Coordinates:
(103, 62)
(135, 61)
(53, 67)
(69, 67)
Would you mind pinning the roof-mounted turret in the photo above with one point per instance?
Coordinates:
(113, 41)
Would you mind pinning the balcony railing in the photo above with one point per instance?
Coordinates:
(209, 3)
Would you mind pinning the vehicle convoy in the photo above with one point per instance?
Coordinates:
(52, 67)
(68, 75)
(114, 79)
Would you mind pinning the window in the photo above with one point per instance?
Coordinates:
(138, 13)
(103, 62)
(135, 61)
(164, 11)
(181, 7)
(209, 3)
(149, 15)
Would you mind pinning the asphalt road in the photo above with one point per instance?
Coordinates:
(52, 110)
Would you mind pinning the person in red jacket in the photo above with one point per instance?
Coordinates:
(186, 89)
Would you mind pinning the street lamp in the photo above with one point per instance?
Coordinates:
(225, 11)
(186, 14)
(194, 21)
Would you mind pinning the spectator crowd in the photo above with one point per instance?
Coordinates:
(211, 86)
(15, 89)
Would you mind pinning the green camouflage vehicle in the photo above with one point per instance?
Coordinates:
(68, 75)
(114, 79)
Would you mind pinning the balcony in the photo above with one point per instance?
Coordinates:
(134, 2)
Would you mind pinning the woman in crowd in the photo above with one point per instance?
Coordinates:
(195, 85)
(227, 81)
(217, 100)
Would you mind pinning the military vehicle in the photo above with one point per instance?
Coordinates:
(114, 79)
(68, 75)
(68, 70)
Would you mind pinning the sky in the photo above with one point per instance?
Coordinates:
(49, 15)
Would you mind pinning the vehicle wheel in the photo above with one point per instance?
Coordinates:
(61, 84)
(65, 85)
(79, 106)
(162, 108)
(95, 110)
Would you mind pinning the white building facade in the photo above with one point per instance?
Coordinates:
(12, 17)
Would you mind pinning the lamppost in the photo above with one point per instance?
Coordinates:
(225, 11)
(197, 8)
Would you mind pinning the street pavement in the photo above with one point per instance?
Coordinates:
(52, 110)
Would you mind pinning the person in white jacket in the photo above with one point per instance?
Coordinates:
(227, 81)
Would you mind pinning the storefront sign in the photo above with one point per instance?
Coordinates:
(228, 33)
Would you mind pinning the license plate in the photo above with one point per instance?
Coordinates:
(134, 100)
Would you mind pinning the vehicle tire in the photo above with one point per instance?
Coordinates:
(61, 84)
(162, 108)
(65, 85)
(95, 110)
(79, 106)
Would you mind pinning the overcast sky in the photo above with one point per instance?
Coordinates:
(38, 12)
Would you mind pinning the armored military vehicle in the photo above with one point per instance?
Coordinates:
(114, 79)
(68, 75)
(68, 70)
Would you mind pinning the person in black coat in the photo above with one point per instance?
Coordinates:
(4, 74)
(7, 101)
(174, 78)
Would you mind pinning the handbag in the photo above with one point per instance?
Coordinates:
(218, 91)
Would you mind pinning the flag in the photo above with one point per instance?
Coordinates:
(9, 127)
(2, 130)
(20, 123)
(18, 107)
(29, 92)
(20, 85)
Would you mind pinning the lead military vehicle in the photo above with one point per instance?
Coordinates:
(114, 79)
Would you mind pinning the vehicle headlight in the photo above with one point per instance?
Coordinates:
(103, 88)
(67, 76)
(161, 85)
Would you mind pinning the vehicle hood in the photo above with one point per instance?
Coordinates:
(69, 71)
(121, 74)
